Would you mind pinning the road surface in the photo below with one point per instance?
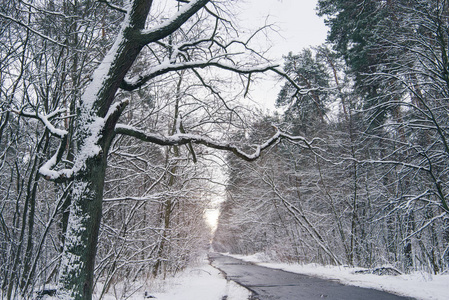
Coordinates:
(270, 284)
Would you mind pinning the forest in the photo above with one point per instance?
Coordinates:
(373, 190)
(118, 118)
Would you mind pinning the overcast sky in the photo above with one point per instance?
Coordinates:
(299, 27)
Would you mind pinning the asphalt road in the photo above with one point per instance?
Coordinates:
(270, 284)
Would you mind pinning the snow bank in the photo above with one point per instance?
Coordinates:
(418, 285)
(201, 282)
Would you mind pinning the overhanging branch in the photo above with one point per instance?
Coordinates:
(184, 138)
(145, 37)
(130, 85)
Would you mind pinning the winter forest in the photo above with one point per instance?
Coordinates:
(123, 121)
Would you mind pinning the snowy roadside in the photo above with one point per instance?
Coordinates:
(423, 286)
(198, 282)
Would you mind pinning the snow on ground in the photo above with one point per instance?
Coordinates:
(419, 285)
(200, 282)
(203, 282)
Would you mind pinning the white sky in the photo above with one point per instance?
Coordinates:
(299, 27)
(298, 23)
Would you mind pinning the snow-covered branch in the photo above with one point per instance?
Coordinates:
(147, 36)
(47, 168)
(45, 119)
(132, 84)
(89, 149)
(185, 138)
(429, 222)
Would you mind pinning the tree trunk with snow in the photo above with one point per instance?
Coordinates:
(77, 267)
(94, 132)
(96, 120)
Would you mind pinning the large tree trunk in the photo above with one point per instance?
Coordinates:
(94, 132)
(77, 267)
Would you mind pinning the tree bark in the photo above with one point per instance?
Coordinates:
(77, 266)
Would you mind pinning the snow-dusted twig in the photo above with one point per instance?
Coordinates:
(429, 222)
(28, 27)
(389, 162)
(114, 7)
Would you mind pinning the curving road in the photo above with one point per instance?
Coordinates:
(270, 284)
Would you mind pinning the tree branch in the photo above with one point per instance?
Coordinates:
(108, 122)
(145, 37)
(183, 139)
(114, 7)
(130, 85)
(45, 119)
(28, 27)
